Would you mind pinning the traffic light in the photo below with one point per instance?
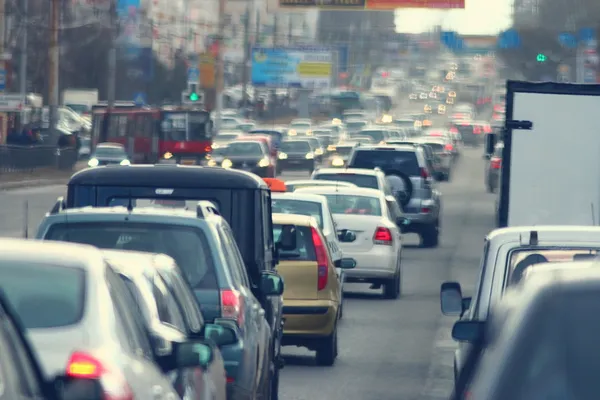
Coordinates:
(193, 95)
(541, 57)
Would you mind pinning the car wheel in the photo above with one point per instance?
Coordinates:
(328, 349)
(430, 237)
(392, 288)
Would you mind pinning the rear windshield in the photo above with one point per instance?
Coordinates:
(188, 246)
(348, 204)
(404, 161)
(437, 147)
(244, 149)
(289, 206)
(344, 150)
(355, 125)
(44, 295)
(366, 181)
(304, 251)
(377, 136)
(295, 147)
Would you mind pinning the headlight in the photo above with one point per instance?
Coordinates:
(264, 163)
(125, 162)
(216, 145)
(211, 163)
(292, 132)
(93, 162)
(226, 163)
(282, 156)
(309, 133)
(310, 156)
(319, 152)
(337, 162)
(167, 156)
(331, 147)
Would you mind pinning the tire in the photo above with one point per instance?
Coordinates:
(392, 288)
(430, 237)
(328, 350)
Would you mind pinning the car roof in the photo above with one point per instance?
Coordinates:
(400, 147)
(168, 176)
(107, 144)
(350, 171)
(341, 190)
(301, 139)
(50, 252)
(315, 198)
(294, 219)
(321, 183)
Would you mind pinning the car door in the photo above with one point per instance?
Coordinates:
(331, 237)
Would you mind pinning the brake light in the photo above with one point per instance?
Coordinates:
(448, 147)
(85, 366)
(477, 130)
(322, 260)
(424, 173)
(232, 305)
(487, 129)
(383, 236)
(453, 130)
(495, 163)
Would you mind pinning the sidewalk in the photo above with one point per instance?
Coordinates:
(39, 177)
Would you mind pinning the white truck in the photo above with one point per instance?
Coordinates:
(80, 100)
(550, 162)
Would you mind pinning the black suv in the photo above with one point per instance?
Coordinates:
(420, 200)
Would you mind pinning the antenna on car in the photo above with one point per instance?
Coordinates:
(26, 220)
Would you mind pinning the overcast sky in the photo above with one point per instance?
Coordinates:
(479, 17)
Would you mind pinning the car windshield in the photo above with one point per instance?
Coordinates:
(355, 125)
(304, 251)
(250, 149)
(302, 207)
(376, 135)
(344, 151)
(351, 204)
(226, 137)
(360, 180)
(403, 161)
(188, 246)
(296, 147)
(42, 294)
(521, 260)
(110, 152)
(300, 126)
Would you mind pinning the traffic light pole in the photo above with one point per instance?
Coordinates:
(246, 59)
(220, 78)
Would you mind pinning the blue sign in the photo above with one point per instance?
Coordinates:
(139, 99)
(452, 40)
(567, 40)
(509, 39)
(587, 34)
(2, 79)
(193, 75)
(343, 58)
(308, 67)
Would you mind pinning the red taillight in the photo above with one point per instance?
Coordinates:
(495, 163)
(453, 130)
(322, 259)
(85, 366)
(448, 147)
(383, 236)
(487, 129)
(424, 173)
(477, 130)
(232, 305)
(425, 210)
(230, 379)
(208, 149)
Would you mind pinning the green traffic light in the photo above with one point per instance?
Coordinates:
(194, 96)
(541, 57)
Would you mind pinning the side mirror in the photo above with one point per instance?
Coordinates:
(451, 299)
(346, 263)
(287, 239)
(67, 388)
(487, 156)
(346, 236)
(271, 284)
(220, 335)
(193, 354)
(467, 331)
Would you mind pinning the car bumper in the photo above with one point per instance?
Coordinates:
(378, 263)
(296, 164)
(239, 374)
(308, 318)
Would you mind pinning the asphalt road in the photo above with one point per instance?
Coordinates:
(389, 349)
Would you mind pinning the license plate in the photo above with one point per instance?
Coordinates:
(188, 162)
(295, 162)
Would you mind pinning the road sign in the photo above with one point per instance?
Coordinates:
(2, 79)
(11, 102)
(587, 34)
(567, 40)
(509, 39)
(139, 99)
(452, 40)
(193, 75)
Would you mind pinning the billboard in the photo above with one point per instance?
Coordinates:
(303, 67)
(373, 5)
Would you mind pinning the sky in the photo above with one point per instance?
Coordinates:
(478, 17)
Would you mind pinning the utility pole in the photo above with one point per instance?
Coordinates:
(53, 67)
(246, 59)
(23, 60)
(220, 72)
(290, 28)
(112, 56)
(275, 28)
(257, 42)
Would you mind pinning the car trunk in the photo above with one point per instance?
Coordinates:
(363, 227)
(301, 279)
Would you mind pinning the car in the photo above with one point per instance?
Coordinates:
(354, 126)
(204, 248)
(442, 148)
(361, 177)
(493, 168)
(249, 155)
(276, 135)
(417, 195)
(225, 137)
(471, 134)
(318, 148)
(339, 153)
(163, 315)
(241, 198)
(246, 126)
(21, 368)
(300, 127)
(107, 154)
(312, 301)
(297, 154)
(299, 184)
(377, 247)
(80, 319)
(377, 134)
(507, 253)
(325, 136)
(317, 207)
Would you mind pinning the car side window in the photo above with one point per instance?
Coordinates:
(182, 293)
(474, 309)
(236, 253)
(233, 257)
(168, 312)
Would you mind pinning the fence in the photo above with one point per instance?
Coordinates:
(31, 158)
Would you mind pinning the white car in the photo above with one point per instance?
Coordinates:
(315, 206)
(80, 318)
(365, 178)
(304, 183)
(377, 247)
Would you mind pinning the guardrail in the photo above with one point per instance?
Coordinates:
(31, 158)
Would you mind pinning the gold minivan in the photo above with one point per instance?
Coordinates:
(311, 299)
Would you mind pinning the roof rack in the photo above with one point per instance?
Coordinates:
(205, 209)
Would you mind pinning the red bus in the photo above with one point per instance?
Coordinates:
(151, 134)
